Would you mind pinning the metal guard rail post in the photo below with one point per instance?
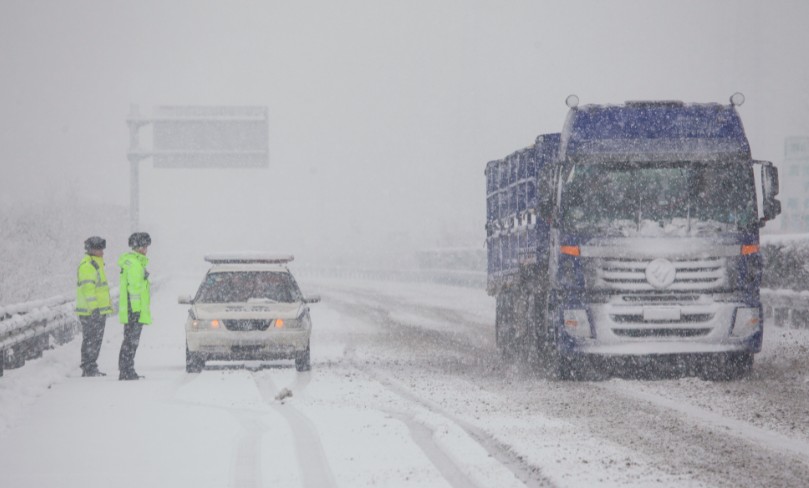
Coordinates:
(786, 307)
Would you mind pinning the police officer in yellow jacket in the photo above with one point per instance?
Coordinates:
(93, 303)
(134, 302)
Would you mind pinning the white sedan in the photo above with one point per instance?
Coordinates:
(248, 307)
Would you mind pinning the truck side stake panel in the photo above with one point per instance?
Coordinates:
(632, 234)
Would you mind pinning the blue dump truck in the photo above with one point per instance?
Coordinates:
(631, 237)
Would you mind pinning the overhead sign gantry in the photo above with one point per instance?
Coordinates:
(194, 137)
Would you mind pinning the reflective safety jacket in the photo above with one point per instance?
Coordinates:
(92, 290)
(135, 288)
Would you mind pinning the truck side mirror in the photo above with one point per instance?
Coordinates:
(771, 206)
(185, 299)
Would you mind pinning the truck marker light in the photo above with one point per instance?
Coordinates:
(279, 323)
(214, 324)
(749, 249)
(571, 250)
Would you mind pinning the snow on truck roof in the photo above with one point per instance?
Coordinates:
(249, 258)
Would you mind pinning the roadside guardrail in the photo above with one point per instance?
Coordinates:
(27, 329)
(786, 308)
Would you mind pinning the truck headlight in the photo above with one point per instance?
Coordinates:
(576, 323)
(748, 321)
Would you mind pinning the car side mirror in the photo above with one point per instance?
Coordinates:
(311, 299)
(185, 300)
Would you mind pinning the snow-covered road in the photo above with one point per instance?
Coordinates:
(406, 389)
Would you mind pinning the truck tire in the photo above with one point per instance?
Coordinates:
(504, 327)
(525, 339)
(730, 366)
(194, 362)
(557, 366)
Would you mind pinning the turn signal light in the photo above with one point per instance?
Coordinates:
(214, 324)
(749, 249)
(571, 250)
(279, 323)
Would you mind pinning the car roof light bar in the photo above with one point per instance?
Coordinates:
(249, 258)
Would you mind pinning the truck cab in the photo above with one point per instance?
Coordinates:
(648, 217)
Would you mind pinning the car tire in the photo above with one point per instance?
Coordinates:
(302, 360)
(194, 362)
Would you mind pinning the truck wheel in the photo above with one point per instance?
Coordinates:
(505, 341)
(556, 365)
(504, 327)
(302, 360)
(525, 340)
(743, 364)
(728, 366)
(559, 367)
(737, 365)
(194, 362)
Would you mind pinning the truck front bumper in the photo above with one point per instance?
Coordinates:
(701, 326)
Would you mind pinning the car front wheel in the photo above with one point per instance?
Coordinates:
(302, 360)
(194, 362)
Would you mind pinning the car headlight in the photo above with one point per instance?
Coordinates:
(201, 324)
(287, 323)
(748, 321)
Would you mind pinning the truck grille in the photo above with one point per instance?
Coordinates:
(678, 332)
(691, 274)
(247, 325)
(685, 318)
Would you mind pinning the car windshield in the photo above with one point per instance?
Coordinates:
(243, 286)
(670, 200)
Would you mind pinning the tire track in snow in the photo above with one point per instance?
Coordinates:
(527, 474)
(705, 450)
(423, 437)
(312, 461)
(373, 311)
(245, 463)
(745, 431)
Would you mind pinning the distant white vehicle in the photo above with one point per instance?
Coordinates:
(248, 307)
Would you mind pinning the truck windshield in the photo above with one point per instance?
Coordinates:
(676, 199)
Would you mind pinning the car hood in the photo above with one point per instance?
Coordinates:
(247, 310)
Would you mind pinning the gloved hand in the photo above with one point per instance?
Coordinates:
(96, 314)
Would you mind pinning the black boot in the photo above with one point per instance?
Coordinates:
(129, 375)
(92, 372)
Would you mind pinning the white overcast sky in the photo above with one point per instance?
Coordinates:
(382, 113)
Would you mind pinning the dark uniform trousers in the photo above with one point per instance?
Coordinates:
(92, 331)
(126, 359)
